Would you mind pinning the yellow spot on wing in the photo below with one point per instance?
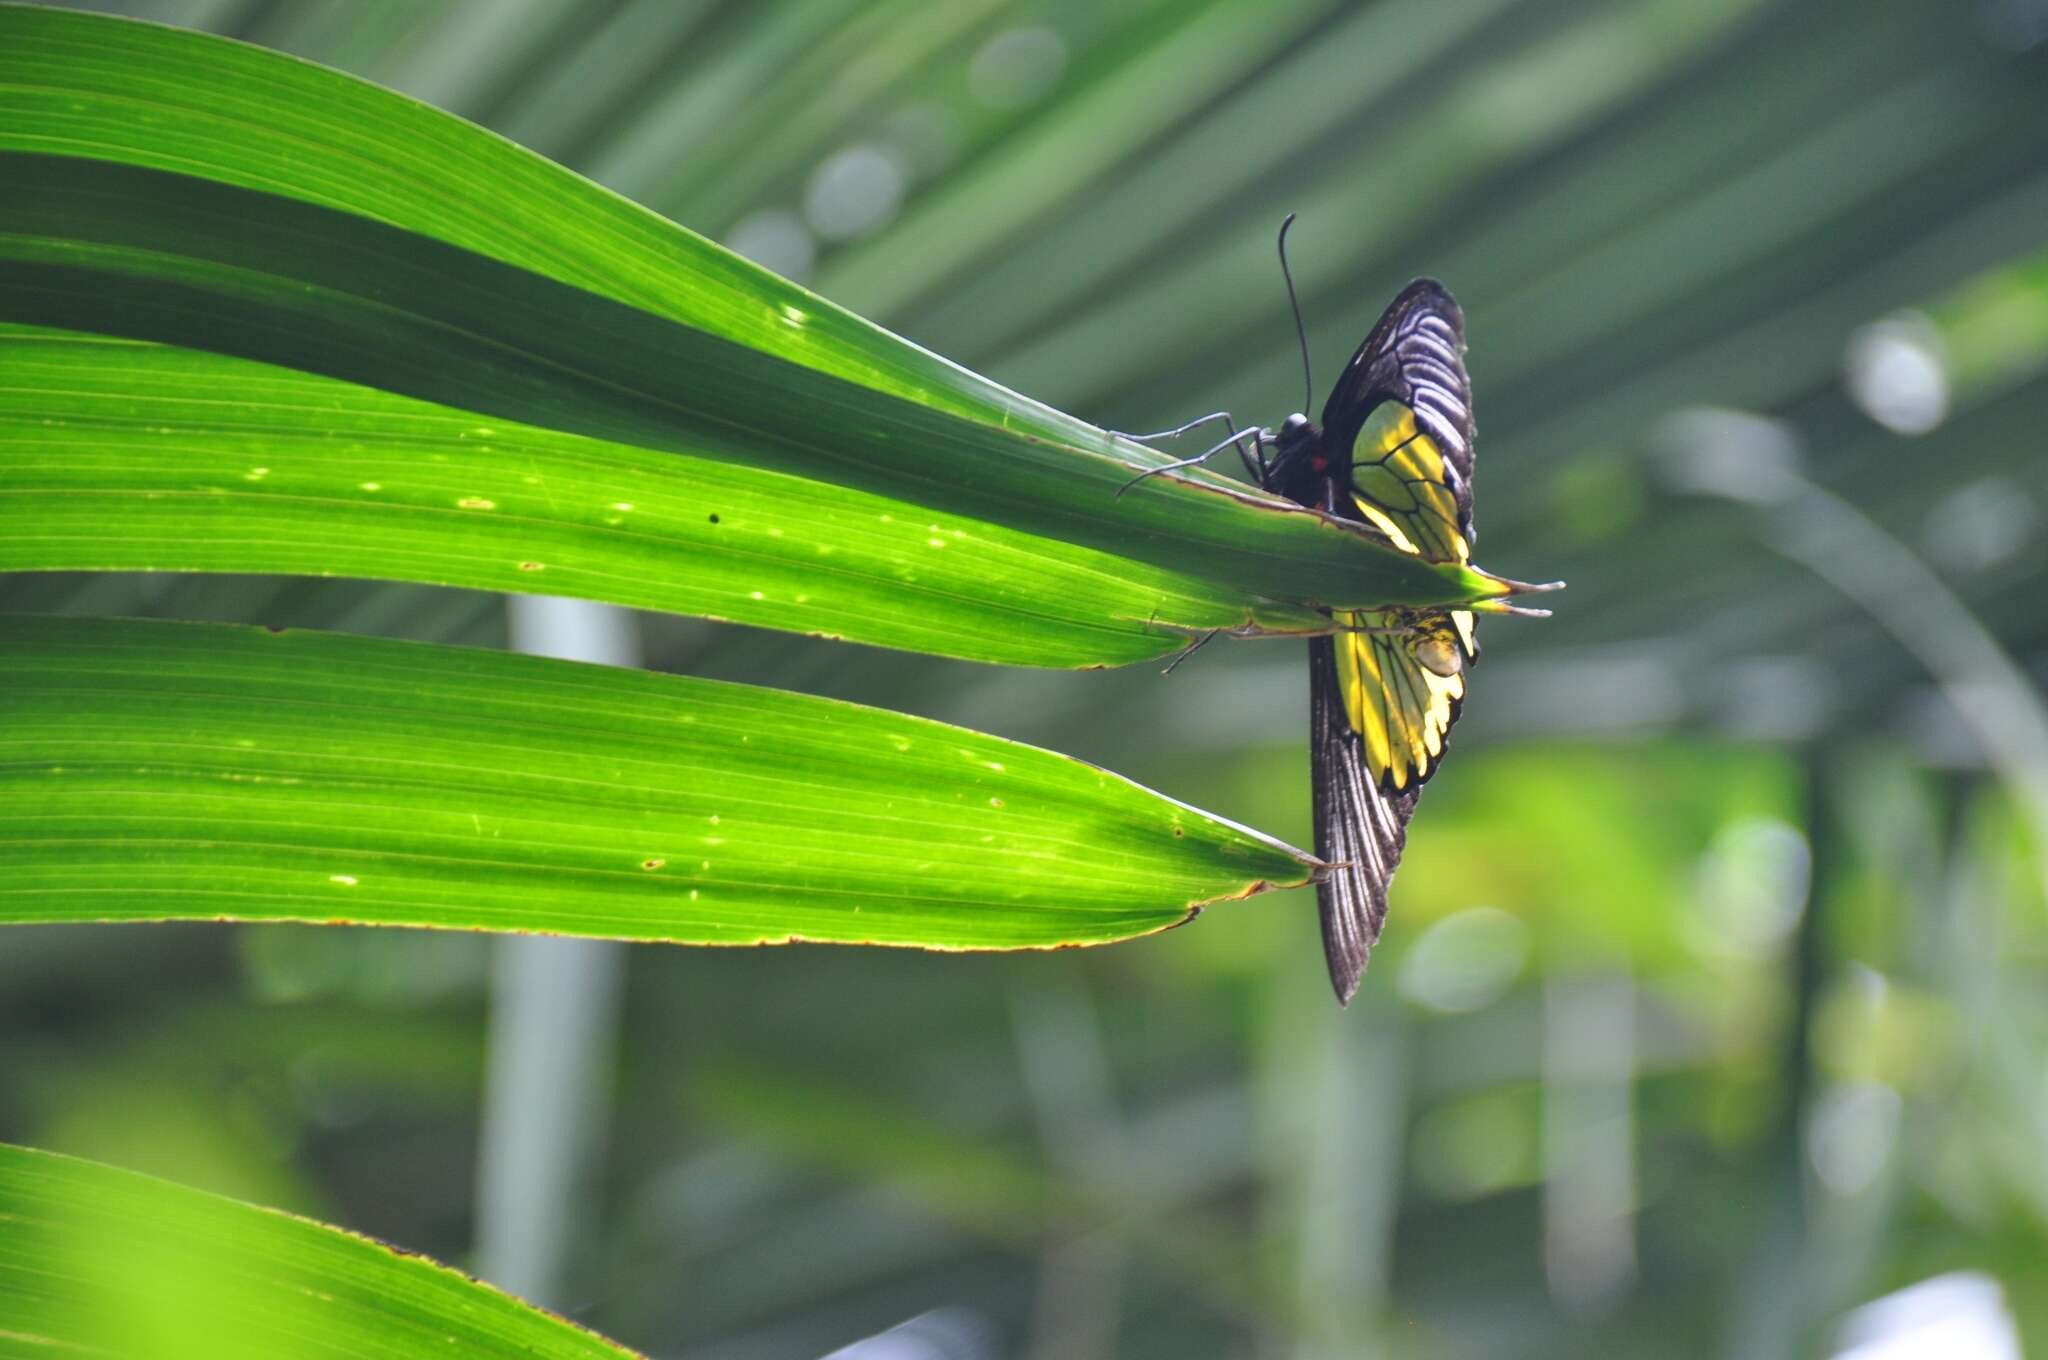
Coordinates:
(1358, 679)
(1385, 524)
(1468, 631)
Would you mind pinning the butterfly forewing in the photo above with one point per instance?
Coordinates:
(1413, 359)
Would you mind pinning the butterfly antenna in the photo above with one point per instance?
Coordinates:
(1300, 331)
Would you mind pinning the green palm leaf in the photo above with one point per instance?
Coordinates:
(99, 1261)
(158, 770)
(172, 187)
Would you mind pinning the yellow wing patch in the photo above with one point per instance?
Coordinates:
(1397, 477)
(1401, 672)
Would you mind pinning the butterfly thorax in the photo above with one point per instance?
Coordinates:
(1299, 470)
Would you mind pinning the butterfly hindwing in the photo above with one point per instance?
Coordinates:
(1400, 675)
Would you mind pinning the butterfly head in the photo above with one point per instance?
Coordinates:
(1294, 431)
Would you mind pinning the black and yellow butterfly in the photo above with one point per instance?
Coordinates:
(1394, 450)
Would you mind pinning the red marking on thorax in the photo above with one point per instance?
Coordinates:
(1319, 463)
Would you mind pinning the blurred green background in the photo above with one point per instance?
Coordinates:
(1714, 1001)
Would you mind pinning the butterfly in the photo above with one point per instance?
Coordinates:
(1393, 452)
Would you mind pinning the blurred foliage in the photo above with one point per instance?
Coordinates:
(1712, 1003)
(192, 1276)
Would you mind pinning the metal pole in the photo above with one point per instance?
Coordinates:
(553, 1027)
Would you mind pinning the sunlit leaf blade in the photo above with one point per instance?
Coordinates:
(156, 771)
(104, 1262)
(123, 456)
(171, 186)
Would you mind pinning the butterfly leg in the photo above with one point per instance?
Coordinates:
(1258, 471)
(1255, 469)
(1237, 437)
(1197, 645)
(1178, 430)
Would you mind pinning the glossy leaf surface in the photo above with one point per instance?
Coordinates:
(157, 771)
